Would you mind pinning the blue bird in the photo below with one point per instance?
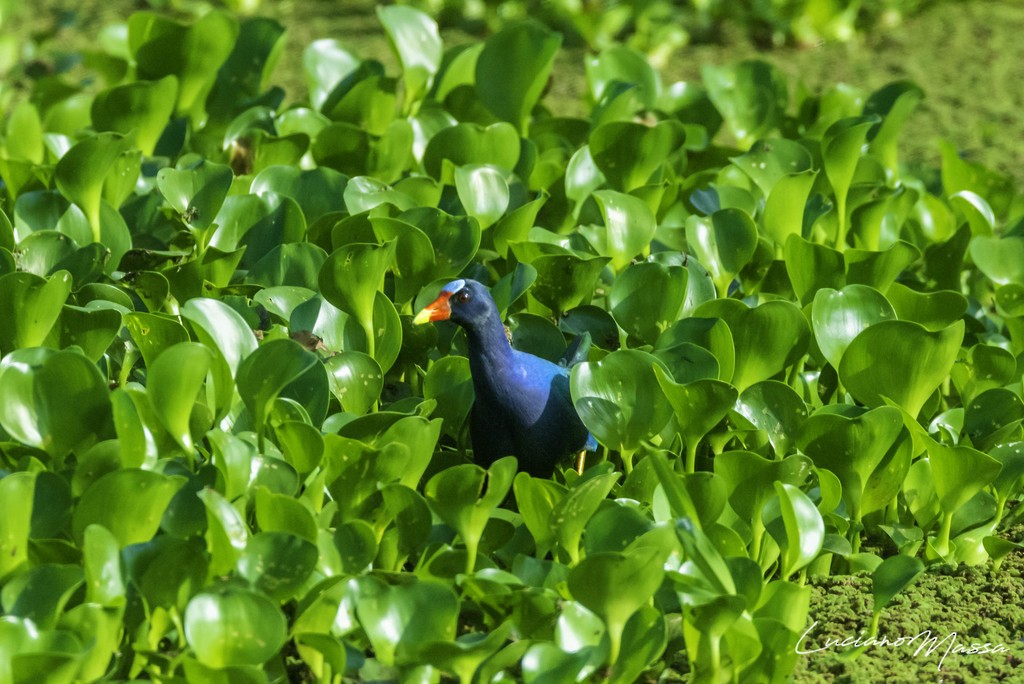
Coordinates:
(522, 406)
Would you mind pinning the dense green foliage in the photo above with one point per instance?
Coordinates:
(227, 456)
(659, 27)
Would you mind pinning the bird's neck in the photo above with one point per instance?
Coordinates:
(490, 353)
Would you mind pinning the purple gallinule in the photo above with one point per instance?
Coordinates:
(522, 405)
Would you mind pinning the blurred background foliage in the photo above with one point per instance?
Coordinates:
(964, 54)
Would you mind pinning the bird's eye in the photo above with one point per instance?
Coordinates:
(462, 297)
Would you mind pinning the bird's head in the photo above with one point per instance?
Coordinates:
(465, 302)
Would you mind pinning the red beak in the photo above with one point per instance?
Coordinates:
(437, 310)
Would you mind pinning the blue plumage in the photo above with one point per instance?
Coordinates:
(522, 406)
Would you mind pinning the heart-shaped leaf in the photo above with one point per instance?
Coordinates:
(812, 267)
(619, 400)
(775, 408)
(724, 243)
(35, 385)
(899, 360)
(615, 585)
(852, 448)
(647, 298)
(29, 308)
(698, 405)
(751, 96)
(174, 381)
(837, 317)
(196, 189)
(469, 143)
(797, 526)
(416, 42)
(142, 106)
(629, 226)
(232, 626)
(193, 53)
(767, 339)
(629, 154)
(457, 496)
(400, 620)
(80, 173)
(130, 503)
(483, 191)
(513, 68)
(1001, 259)
(266, 372)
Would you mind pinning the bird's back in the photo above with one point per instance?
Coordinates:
(526, 410)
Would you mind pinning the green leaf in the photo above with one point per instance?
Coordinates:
(16, 502)
(570, 516)
(400, 620)
(619, 399)
(154, 333)
(750, 479)
(837, 317)
(221, 328)
(812, 268)
(802, 532)
(630, 154)
(173, 384)
(196, 189)
(698, 405)
(80, 173)
(513, 68)
(959, 473)
(232, 626)
(767, 339)
(841, 150)
(891, 577)
(852, 448)
(933, 310)
(786, 206)
(879, 269)
(535, 499)
(465, 655)
(751, 96)
(356, 380)
(414, 39)
(130, 503)
(724, 243)
(352, 276)
(647, 298)
(277, 563)
(643, 641)
(483, 191)
(450, 383)
(35, 385)
(616, 585)
(470, 143)
(29, 308)
(1001, 259)
(901, 361)
(770, 162)
(264, 375)
(101, 553)
(894, 102)
(143, 106)
(457, 496)
(193, 53)
(629, 226)
(621, 64)
(317, 191)
(777, 409)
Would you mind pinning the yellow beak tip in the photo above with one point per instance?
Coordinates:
(422, 317)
